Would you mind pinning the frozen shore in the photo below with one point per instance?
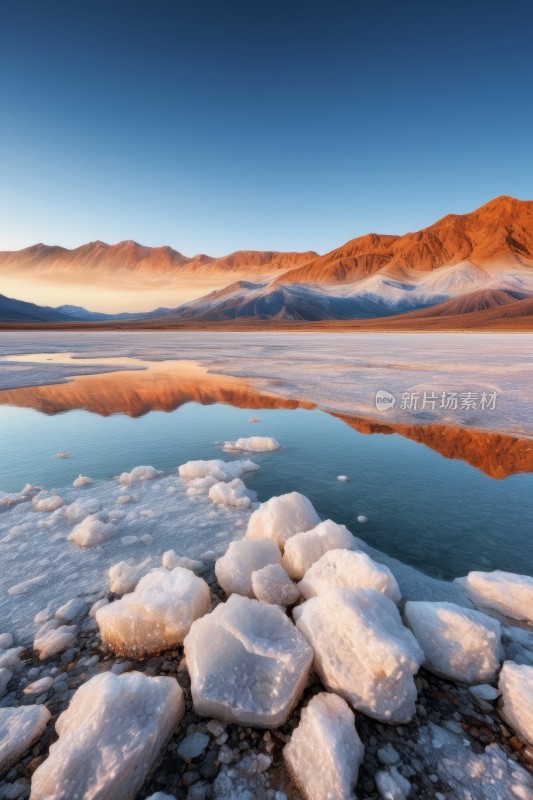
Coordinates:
(209, 727)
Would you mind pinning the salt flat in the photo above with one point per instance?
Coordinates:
(337, 372)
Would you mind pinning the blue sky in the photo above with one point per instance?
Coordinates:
(215, 126)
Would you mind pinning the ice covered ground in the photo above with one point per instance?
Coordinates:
(140, 521)
(337, 372)
(245, 663)
(57, 545)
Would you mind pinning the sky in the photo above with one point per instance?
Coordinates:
(213, 126)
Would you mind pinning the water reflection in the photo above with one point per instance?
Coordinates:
(138, 387)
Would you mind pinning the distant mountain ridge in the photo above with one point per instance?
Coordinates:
(463, 264)
(12, 310)
(129, 256)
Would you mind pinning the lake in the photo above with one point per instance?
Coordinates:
(443, 515)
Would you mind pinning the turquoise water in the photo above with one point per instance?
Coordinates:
(443, 517)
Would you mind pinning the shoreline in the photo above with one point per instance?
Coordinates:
(449, 719)
(427, 325)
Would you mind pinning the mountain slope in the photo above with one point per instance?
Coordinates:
(499, 233)
(12, 310)
(274, 301)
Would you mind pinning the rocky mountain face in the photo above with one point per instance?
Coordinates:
(499, 234)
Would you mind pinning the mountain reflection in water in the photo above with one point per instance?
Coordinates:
(138, 387)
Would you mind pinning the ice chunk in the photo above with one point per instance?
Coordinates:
(200, 486)
(282, 517)
(254, 444)
(125, 498)
(518, 644)
(6, 641)
(109, 737)
(233, 493)
(39, 687)
(362, 651)
(127, 541)
(9, 658)
(51, 639)
(98, 604)
(19, 730)
(343, 478)
(271, 584)
(248, 663)
(516, 686)
(124, 577)
(12, 498)
(234, 569)
(171, 560)
(484, 691)
(391, 785)
(27, 586)
(5, 677)
(362, 518)
(161, 796)
(325, 751)
(157, 615)
(79, 509)
(47, 502)
(344, 569)
(505, 592)
(81, 481)
(217, 469)
(304, 549)
(77, 607)
(91, 531)
(458, 643)
(139, 474)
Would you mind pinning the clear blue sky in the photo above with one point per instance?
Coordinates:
(215, 126)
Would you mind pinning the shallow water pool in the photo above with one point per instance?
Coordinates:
(442, 516)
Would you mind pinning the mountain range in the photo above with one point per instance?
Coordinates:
(469, 264)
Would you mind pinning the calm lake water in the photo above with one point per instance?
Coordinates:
(439, 515)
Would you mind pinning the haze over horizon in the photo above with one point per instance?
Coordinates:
(212, 128)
